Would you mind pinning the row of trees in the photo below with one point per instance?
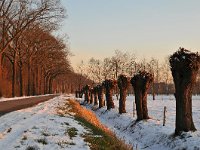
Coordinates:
(184, 66)
(128, 64)
(32, 59)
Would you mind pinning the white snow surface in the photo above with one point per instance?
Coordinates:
(151, 134)
(41, 128)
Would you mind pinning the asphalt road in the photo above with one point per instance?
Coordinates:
(13, 105)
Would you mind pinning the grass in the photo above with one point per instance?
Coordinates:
(44, 133)
(72, 132)
(24, 137)
(32, 148)
(100, 138)
(63, 144)
(42, 141)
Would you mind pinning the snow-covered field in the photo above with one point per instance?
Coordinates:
(151, 134)
(41, 127)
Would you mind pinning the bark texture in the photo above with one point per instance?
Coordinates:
(86, 90)
(123, 84)
(95, 90)
(141, 83)
(109, 87)
(184, 67)
(91, 95)
(101, 96)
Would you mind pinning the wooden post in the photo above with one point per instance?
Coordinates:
(164, 116)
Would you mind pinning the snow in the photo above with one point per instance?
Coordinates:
(41, 127)
(151, 134)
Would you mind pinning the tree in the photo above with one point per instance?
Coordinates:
(109, 86)
(95, 95)
(86, 90)
(17, 16)
(153, 68)
(95, 70)
(141, 83)
(123, 83)
(166, 74)
(184, 67)
(101, 95)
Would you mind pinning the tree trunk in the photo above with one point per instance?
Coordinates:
(153, 91)
(39, 82)
(123, 84)
(96, 98)
(33, 83)
(13, 79)
(36, 81)
(138, 102)
(20, 82)
(50, 85)
(184, 120)
(1, 75)
(109, 87)
(122, 101)
(109, 99)
(87, 97)
(141, 83)
(29, 80)
(87, 93)
(101, 96)
(91, 97)
(184, 67)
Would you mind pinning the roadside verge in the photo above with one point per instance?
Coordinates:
(100, 137)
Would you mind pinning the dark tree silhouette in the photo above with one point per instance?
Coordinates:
(86, 90)
(95, 90)
(109, 87)
(141, 83)
(76, 94)
(101, 96)
(184, 67)
(123, 84)
(91, 95)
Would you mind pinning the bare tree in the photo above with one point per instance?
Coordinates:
(16, 16)
(123, 83)
(141, 83)
(95, 95)
(86, 90)
(184, 66)
(101, 95)
(109, 86)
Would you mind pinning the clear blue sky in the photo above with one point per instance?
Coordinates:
(145, 27)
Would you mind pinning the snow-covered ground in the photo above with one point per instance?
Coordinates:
(151, 134)
(41, 127)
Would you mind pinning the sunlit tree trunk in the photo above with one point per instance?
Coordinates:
(109, 87)
(184, 67)
(101, 96)
(123, 86)
(141, 83)
(95, 95)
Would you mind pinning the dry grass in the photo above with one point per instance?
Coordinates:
(87, 115)
(101, 137)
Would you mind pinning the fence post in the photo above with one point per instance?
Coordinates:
(164, 117)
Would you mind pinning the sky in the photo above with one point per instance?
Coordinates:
(147, 28)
